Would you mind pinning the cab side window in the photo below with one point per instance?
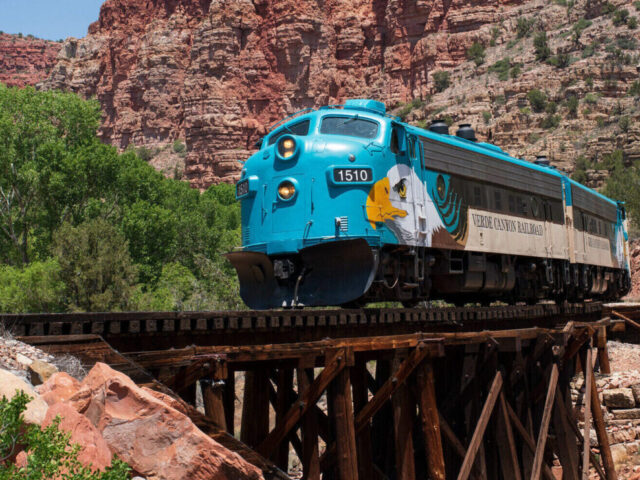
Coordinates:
(300, 129)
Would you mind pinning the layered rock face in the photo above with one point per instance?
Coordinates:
(218, 73)
(26, 60)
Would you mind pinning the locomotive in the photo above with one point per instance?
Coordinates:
(346, 205)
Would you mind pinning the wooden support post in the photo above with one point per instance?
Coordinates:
(603, 352)
(212, 397)
(506, 443)
(229, 398)
(601, 432)
(283, 402)
(336, 362)
(363, 438)
(403, 415)
(255, 407)
(538, 459)
(310, 455)
(565, 439)
(430, 421)
(587, 418)
(528, 440)
(481, 426)
(347, 457)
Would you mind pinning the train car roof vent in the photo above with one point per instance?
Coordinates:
(465, 131)
(366, 104)
(542, 160)
(439, 126)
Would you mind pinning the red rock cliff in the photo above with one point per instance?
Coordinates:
(216, 74)
(26, 60)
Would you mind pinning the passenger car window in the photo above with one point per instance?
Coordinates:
(300, 129)
(351, 126)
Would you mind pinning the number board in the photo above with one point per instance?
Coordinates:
(242, 188)
(352, 175)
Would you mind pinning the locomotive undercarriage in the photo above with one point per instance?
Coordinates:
(414, 274)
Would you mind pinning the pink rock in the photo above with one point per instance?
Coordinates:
(94, 450)
(60, 387)
(155, 439)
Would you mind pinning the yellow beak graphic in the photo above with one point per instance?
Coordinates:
(379, 207)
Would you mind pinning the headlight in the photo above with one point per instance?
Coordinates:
(287, 147)
(286, 190)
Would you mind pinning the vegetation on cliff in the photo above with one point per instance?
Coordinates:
(84, 228)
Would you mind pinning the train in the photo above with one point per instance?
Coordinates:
(346, 205)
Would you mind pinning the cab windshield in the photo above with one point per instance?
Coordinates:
(350, 126)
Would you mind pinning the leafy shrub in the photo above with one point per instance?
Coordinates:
(608, 8)
(634, 89)
(537, 100)
(589, 81)
(486, 116)
(525, 110)
(408, 107)
(524, 27)
(441, 80)
(561, 60)
(550, 121)
(636, 4)
(476, 53)
(551, 107)
(515, 71)
(495, 33)
(541, 46)
(179, 147)
(501, 67)
(624, 123)
(590, 49)
(500, 100)
(49, 453)
(579, 27)
(600, 122)
(632, 23)
(626, 43)
(591, 98)
(35, 288)
(620, 17)
(572, 106)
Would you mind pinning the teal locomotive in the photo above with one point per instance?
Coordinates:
(346, 204)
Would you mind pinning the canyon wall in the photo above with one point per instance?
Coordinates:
(215, 74)
(26, 60)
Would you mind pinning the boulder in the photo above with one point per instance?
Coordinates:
(619, 398)
(40, 372)
(619, 454)
(94, 450)
(36, 408)
(58, 388)
(626, 413)
(155, 439)
(636, 392)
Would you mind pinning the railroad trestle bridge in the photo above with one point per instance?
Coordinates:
(475, 392)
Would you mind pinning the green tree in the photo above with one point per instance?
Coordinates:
(34, 288)
(95, 266)
(537, 99)
(40, 131)
(49, 452)
(541, 46)
(441, 80)
(476, 53)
